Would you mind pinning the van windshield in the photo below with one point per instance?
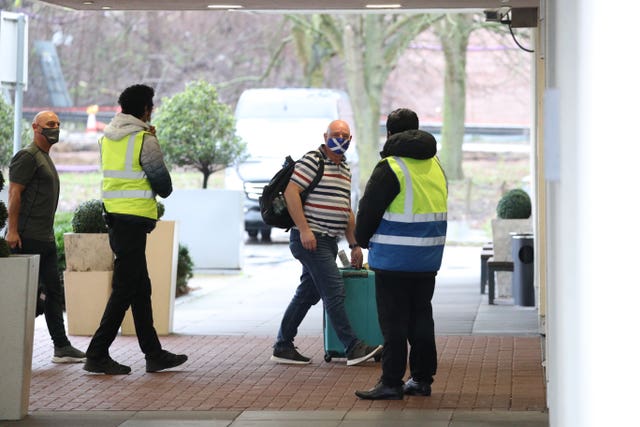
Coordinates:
(277, 138)
(292, 108)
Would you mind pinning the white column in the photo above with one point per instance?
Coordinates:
(593, 254)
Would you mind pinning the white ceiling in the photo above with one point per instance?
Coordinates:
(288, 5)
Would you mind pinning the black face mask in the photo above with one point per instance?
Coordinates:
(52, 135)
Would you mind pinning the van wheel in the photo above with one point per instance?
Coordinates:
(253, 234)
(265, 233)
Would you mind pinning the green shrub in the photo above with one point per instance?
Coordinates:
(514, 204)
(196, 129)
(6, 132)
(5, 251)
(61, 225)
(87, 218)
(185, 270)
(4, 246)
(160, 210)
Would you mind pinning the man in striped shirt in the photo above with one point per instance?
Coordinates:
(325, 216)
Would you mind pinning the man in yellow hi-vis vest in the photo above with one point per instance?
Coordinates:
(402, 220)
(133, 173)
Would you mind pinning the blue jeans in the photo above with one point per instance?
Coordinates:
(320, 279)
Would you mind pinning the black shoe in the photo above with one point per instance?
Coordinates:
(361, 353)
(289, 355)
(106, 365)
(68, 354)
(164, 360)
(381, 392)
(416, 388)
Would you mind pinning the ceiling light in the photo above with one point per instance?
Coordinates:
(87, 3)
(106, 8)
(224, 6)
(383, 6)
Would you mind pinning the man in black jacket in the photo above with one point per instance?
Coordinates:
(133, 173)
(402, 220)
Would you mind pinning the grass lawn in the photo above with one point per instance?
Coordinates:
(473, 200)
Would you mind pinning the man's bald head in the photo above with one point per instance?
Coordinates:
(46, 129)
(46, 119)
(338, 128)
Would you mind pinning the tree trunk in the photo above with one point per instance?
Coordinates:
(363, 56)
(205, 177)
(370, 46)
(454, 35)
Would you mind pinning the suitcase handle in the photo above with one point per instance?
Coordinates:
(352, 272)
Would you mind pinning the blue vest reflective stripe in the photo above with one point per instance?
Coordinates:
(412, 233)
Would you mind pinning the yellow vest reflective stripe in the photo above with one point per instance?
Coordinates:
(412, 232)
(125, 187)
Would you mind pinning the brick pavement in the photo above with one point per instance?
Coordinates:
(234, 373)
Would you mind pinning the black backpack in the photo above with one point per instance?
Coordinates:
(273, 206)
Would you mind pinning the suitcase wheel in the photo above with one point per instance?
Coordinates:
(327, 357)
(377, 357)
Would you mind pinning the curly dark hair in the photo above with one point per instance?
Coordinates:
(135, 99)
(402, 119)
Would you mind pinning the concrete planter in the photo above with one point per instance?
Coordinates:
(86, 296)
(162, 263)
(501, 230)
(87, 280)
(19, 283)
(88, 252)
(211, 226)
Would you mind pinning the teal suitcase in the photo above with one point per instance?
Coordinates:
(362, 311)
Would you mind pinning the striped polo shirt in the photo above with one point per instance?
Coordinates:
(328, 206)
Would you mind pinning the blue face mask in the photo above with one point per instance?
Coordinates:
(338, 145)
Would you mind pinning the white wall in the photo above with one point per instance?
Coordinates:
(594, 288)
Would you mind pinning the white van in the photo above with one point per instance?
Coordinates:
(276, 123)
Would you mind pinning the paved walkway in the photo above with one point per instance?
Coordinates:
(490, 369)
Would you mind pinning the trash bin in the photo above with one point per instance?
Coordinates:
(522, 278)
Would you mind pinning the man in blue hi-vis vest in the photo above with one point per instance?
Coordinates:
(402, 220)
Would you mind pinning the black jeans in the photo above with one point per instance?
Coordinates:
(131, 286)
(49, 276)
(405, 314)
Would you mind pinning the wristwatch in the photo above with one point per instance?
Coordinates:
(355, 245)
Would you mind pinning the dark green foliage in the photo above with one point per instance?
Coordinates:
(514, 204)
(4, 214)
(160, 210)
(185, 270)
(87, 218)
(196, 129)
(4, 246)
(6, 132)
(61, 225)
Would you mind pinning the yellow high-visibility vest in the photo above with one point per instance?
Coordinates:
(125, 187)
(412, 233)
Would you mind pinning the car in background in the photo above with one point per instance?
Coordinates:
(275, 123)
